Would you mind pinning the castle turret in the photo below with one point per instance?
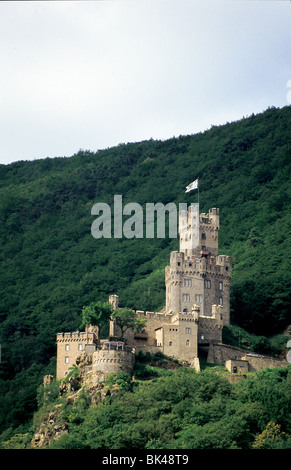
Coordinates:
(199, 233)
(189, 229)
(114, 301)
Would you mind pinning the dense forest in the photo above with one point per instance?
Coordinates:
(51, 266)
(164, 406)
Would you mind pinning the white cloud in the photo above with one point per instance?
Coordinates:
(93, 74)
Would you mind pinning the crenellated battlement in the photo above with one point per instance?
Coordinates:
(181, 263)
(74, 336)
(211, 218)
(159, 316)
(187, 317)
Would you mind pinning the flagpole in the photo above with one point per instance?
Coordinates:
(198, 191)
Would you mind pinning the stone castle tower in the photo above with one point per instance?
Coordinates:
(197, 275)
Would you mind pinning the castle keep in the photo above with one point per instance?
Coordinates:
(197, 305)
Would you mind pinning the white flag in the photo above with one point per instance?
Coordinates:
(193, 185)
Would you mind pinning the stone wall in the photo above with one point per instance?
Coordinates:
(188, 331)
(259, 362)
(113, 361)
(209, 329)
(180, 340)
(152, 350)
(219, 353)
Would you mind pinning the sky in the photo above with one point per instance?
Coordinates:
(93, 74)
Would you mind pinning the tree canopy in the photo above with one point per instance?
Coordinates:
(126, 318)
(96, 313)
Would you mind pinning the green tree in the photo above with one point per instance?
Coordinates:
(126, 318)
(96, 314)
(18, 441)
(271, 436)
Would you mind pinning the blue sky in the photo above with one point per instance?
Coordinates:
(90, 75)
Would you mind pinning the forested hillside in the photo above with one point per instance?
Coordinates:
(51, 266)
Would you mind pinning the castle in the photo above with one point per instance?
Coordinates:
(189, 326)
(197, 294)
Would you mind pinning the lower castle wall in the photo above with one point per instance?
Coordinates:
(219, 353)
(152, 350)
(262, 362)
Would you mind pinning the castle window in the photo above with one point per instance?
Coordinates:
(185, 310)
(187, 282)
(207, 284)
(187, 342)
(203, 236)
(178, 263)
(186, 298)
(170, 343)
(220, 285)
(188, 331)
(67, 359)
(67, 347)
(220, 301)
(80, 347)
(198, 298)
